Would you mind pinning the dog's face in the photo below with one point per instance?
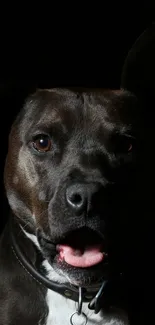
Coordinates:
(70, 177)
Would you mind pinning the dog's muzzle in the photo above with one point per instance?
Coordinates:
(93, 297)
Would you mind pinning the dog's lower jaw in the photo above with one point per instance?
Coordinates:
(69, 307)
(53, 275)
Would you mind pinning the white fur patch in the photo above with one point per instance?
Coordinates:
(53, 275)
(32, 237)
(61, 309)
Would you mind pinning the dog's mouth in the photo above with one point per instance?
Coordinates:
(80, 255)
(82, 248)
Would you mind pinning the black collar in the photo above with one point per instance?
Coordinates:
(80, 295)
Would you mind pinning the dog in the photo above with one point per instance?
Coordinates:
(70, 183)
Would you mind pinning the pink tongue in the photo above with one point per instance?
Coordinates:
(78, 258)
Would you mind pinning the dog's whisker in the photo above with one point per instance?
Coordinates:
(23, 227)
(29, 223)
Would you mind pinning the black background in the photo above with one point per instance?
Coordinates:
(74, 46)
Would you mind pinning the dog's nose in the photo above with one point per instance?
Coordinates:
(79, 196)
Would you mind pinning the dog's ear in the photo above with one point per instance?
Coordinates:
(138, 75)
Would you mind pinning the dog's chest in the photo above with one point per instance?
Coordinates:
(61, 309)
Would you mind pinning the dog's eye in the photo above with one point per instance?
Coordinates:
(42, 143)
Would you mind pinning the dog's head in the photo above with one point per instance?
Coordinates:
(70, 177)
